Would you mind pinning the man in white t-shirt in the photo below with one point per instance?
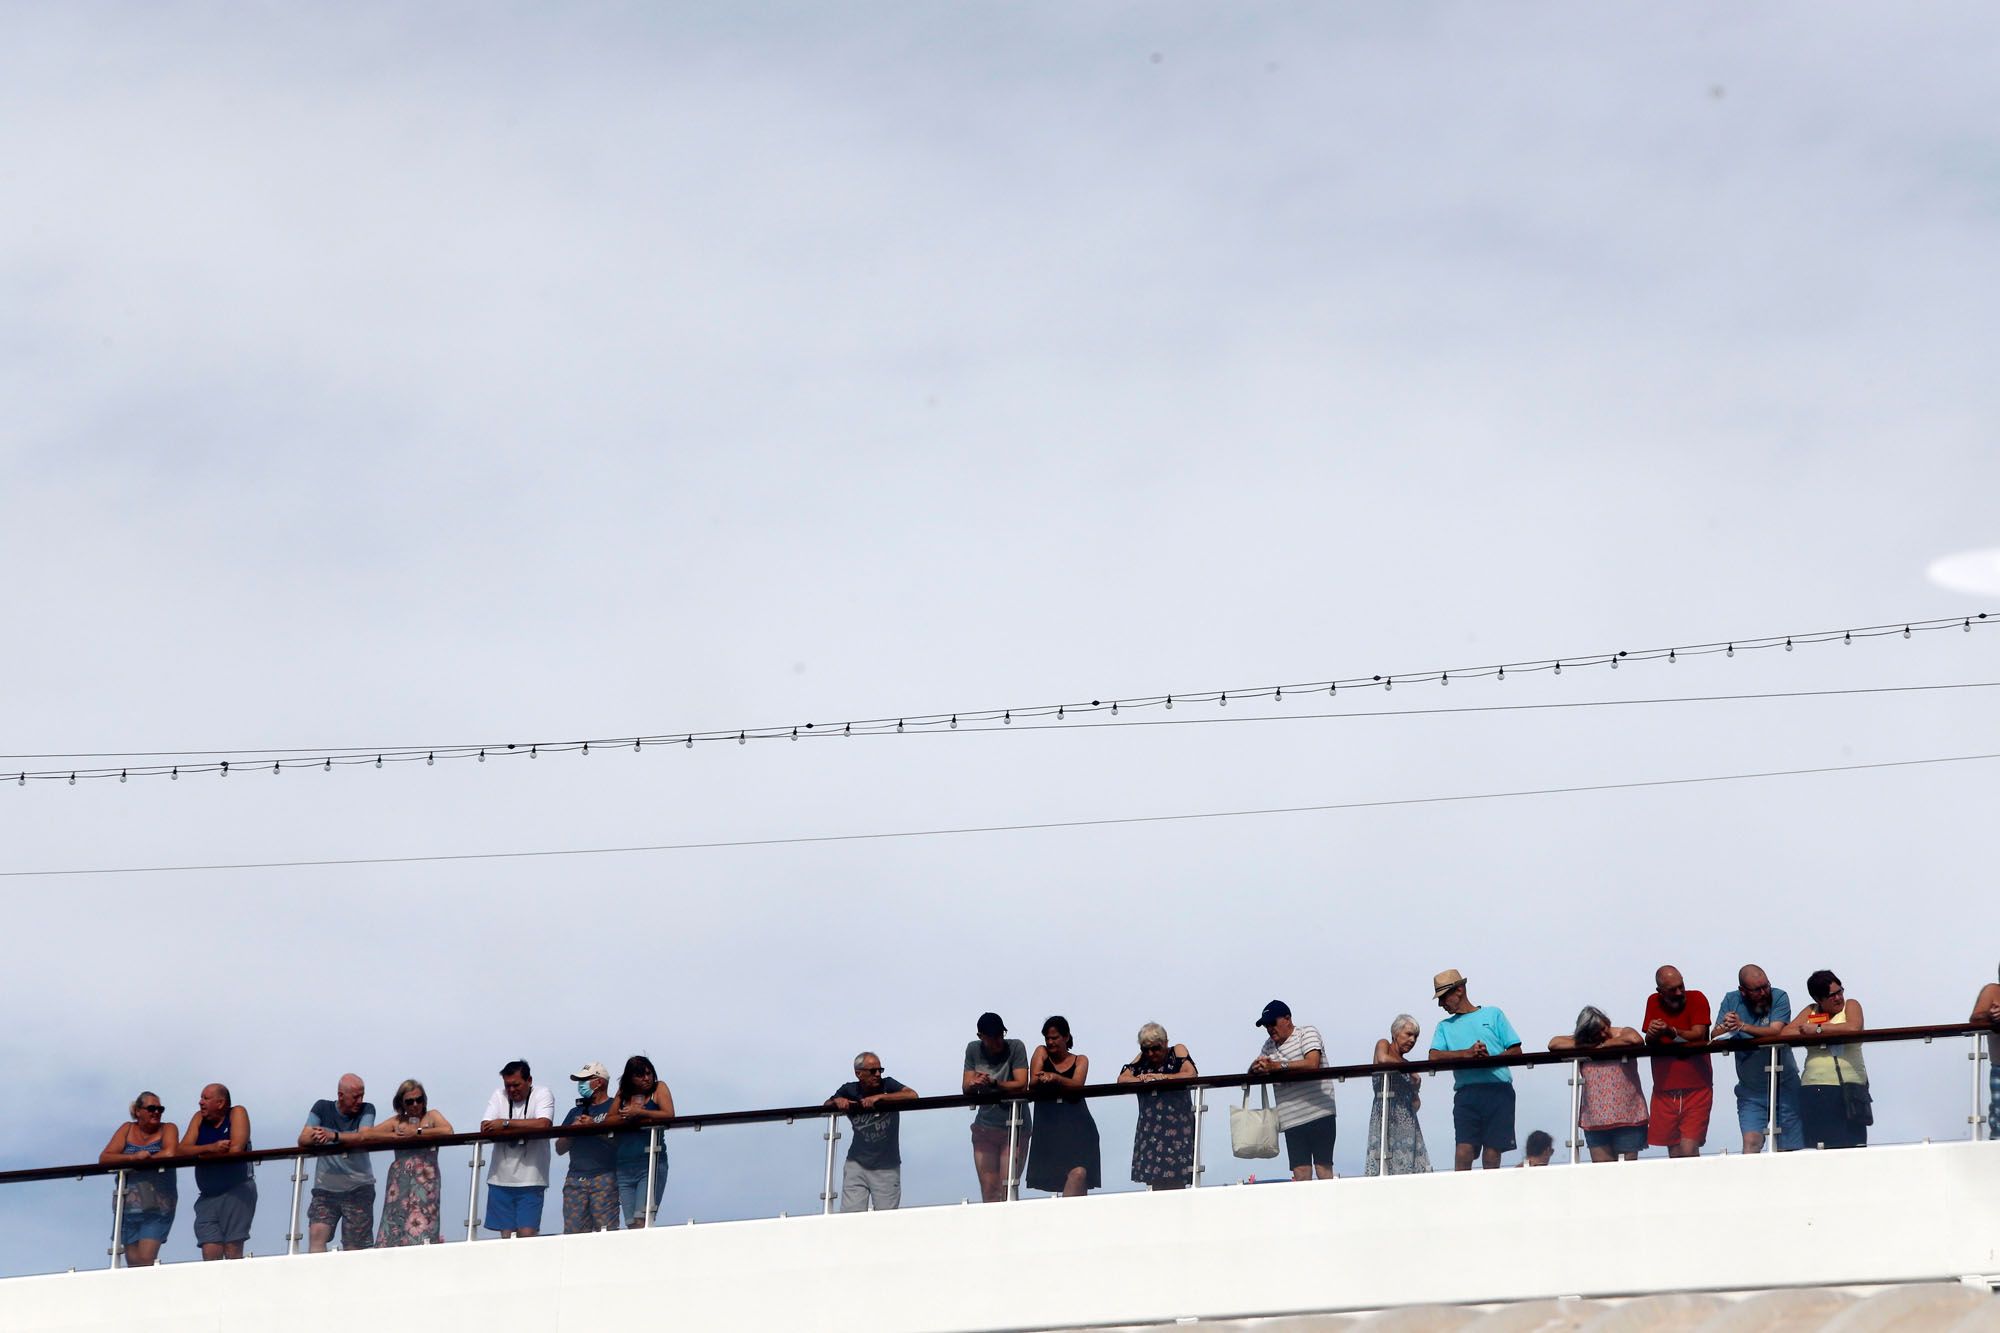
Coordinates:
(519, 1175)
(1305, 1108)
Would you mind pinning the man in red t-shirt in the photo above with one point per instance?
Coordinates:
(1683, 1085)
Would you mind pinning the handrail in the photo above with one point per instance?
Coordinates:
(788, 1114)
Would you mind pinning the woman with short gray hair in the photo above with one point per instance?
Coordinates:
(1163, 1143)
(1611, 1106)
(1396, 1098)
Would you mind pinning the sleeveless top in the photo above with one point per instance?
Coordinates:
(165, 1185)
(224, 1176)
(1612, 1097)
(1833, 1063)
(1068, 1098)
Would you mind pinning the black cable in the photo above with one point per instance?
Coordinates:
(1005, 828)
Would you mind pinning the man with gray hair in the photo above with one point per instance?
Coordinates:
(343, 1193)
(873, 1176)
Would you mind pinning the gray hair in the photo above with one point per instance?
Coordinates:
(1153, 1032)
(1590, 1019)
(865, 1055)
(1403, 1023)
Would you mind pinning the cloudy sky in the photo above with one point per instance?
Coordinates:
(378, 376)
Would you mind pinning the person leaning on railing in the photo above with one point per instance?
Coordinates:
(643, 1099)
(996, 1066)
(1066, 1156)
(227, 1203)
(1835, 1101)
(151, 1196)
(1482, 1106)
(1755, 1009)
(1163, 1143)
(1306, 1109)
(518, 1178)
(413, 1194)
(1397, 1097)
(1986, 1009)
(1611, 1103)
(343, 1193)
(590, 1189)
(1683, 1084)
(872, 1177)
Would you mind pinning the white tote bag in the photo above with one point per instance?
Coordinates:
(1253, 1131)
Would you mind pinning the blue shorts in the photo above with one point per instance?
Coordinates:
(632, 1187)
(1753, 1113)
(514, 1207)
(138, 1226)
(1619, 1139)
(1482, 1114)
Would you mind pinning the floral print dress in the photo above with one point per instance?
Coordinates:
(1163, 1144)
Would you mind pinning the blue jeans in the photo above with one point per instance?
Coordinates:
(632, 1187)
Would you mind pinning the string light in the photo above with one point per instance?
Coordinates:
(216, 760)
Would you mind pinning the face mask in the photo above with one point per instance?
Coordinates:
(585, 1093)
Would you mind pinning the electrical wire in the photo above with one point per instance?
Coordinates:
(277, 760)
(807, 839)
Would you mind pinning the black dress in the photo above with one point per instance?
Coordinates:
(1065, 1138)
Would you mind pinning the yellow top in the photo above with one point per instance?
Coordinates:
(1834, 1062)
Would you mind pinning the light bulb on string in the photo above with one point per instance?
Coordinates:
(1730, 651)
(742, 738)
(175, 776)
(1671, 659)
(378, 761)
(1559, 668)
(690, 742)
(121, 775)
(329, 761)
(586, 747)
(795, 733)
(1007, 718)
(1170, 703)
(1114, 708)
(1906, 631)
(1278, 695)
(1788, 643)
(274, 769)
(1388, 683)
(954, 721)
(635, 745)
(1968, 624)
(1445, 678)
(72, 779)
(1847, 639)
(225, 768)
(1225, 699)
(431, 758)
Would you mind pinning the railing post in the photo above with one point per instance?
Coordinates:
(652, 1173)
(1200, 1109)
(1382, 1138)
(832, 1136)
(1771, 1130)
(298, 1190)
(119, 1217)
(1575, 1109)
(1978, 1116)
(472, 1208)
(1013, 1130)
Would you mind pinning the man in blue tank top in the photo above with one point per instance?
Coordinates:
(228, 1201)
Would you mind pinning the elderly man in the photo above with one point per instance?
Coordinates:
(1482, 1106)
(1683, 1084)
(1306, 1111)
(1986, 1009)
(519, 1176)
(1754, 1009)
(343, 1195)
(228, 1201)
(590, 1190)
(873, 1175)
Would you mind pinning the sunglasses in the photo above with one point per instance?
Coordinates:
(876, 1070)
(1155, 1049)
(155, 1109)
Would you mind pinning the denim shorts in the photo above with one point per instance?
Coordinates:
(150, 1225)
(632, 1188)
(1618, 1139)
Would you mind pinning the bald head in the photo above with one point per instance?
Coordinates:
(1755, 988)
(349, 1092)
(1751, 977)
(1673, 990)
(214, 1101)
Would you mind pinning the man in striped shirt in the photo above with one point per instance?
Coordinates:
(1305, 1107)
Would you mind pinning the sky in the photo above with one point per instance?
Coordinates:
(488, 373)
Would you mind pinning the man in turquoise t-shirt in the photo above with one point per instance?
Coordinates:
(1482, 1107)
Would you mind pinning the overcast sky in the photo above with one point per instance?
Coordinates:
(386, 376)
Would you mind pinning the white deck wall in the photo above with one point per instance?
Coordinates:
(1875, 1216)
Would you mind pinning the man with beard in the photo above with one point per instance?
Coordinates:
(1683, 1085)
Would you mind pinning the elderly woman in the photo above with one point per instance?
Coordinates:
(1396, 1098)
(1163, 1142)
(413, 1195)
(1611, 1105)
(152, 1195)
(1835, 1104)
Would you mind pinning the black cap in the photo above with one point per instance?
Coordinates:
(989, 1025)
(1274, 1011)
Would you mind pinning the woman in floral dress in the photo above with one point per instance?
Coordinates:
(1407, 1156)
(413, 1199)
(1163, 1144)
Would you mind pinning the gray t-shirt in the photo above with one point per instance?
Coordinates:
(999, 1068)
(341, 1172)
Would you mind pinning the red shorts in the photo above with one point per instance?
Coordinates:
(1680, 1116)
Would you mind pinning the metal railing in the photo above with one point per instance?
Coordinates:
(1378, 1075)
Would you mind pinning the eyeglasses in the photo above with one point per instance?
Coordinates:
(155, 1109)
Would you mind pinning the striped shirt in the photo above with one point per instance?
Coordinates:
(1303, 1102)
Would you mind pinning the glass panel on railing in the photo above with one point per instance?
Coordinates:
(54, 1226)
(733, 1172)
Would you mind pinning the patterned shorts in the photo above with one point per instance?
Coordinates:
(590, 1203)
(351, 1214)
